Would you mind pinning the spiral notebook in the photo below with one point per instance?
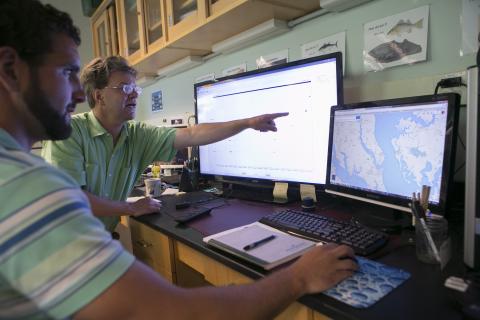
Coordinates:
(282, 248)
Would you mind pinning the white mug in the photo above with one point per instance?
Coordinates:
(153, 187)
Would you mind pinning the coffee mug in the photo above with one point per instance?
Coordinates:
(153, 187)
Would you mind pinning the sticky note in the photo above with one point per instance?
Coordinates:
(308, 190)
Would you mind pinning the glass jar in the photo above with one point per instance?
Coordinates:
(438, 227)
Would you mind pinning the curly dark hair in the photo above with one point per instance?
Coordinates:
(28, 26)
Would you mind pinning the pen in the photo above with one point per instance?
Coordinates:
(258, 243)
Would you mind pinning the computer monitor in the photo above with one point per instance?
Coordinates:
(383, 151)
(297, 152)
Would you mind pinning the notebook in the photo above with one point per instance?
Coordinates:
(370, 283)
(274, 247)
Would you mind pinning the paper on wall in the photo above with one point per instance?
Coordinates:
(470, 26)
(396, 40)
(333, 43)
(273, 59)
(235, 69)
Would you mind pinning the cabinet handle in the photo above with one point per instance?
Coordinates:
(170, 20)
(143, 244)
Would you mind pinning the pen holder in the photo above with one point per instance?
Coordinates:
(438, 228)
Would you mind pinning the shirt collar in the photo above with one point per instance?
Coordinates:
(8, 142)
(96, 128)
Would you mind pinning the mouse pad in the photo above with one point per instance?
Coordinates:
(369, 284)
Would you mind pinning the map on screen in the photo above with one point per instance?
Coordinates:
(390, 150)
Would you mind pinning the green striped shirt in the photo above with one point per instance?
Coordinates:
(55, 257)
(106, 170)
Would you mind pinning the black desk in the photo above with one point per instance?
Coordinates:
(423, 296)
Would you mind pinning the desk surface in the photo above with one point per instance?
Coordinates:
(423, 296)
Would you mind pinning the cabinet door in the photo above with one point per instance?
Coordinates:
(113, 30)
(216, 7)
(184, 16)
(131, 12)
(101, 36)
(220, 275)
(153, 248)
(155, 18)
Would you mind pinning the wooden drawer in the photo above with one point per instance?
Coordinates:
(153, 248)
(221, 275)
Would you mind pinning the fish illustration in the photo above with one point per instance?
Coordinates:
(327, 45)
(402, 27)
(393, 51)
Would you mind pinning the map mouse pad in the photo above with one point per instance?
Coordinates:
(370, 283)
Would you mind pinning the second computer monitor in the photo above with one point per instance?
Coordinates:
(297, 152)
(383, 151)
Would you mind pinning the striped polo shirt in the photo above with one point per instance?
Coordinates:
(55, 257)
(102, 168)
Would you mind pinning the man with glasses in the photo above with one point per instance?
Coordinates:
(56, 260)
(107, 152)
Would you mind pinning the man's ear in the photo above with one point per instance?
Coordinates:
(98, 96)
(9, 63)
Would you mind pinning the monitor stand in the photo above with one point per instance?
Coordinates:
(384, 219)
(377, 217)
(256, 193)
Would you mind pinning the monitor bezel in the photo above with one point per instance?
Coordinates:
(393, 201)
(276, 68)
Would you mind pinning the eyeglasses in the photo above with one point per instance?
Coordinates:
(128, 88)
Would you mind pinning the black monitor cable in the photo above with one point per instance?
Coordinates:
(449, 83)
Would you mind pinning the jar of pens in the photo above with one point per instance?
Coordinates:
(431, 231)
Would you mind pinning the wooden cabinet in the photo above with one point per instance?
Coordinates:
(154, 249)
(184, 16)
(221, 275)
(132, 29)
(156, 33)
(105, 38)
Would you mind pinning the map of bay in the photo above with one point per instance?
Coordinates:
(390, 152)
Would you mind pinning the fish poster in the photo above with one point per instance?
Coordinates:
(470, 26)
(396, 40)
(333, 43)
(235, 69)
(273, 59)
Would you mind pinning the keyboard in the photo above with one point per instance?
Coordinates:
(193, 198)
(363, 240)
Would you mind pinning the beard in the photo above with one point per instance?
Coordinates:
(55, 123)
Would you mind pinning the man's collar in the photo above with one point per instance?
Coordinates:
(8, 142)
(96, 128)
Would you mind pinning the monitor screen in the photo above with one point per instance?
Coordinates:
(297, 152)
(383, 151)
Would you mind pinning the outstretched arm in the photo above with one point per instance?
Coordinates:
(207, 133)
(143, 294)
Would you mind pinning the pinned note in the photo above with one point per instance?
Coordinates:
(280, 192)
(307, 190)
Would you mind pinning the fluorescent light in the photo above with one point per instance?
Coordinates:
(251, 36)
(180, 66)
(145, 81)
(340, 5)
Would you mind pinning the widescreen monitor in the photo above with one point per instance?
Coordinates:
(383, 151)
(297, 152)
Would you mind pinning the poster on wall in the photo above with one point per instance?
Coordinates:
(273, 59)
(333, 43)
(206, 77)
(470, 26)
(396, 40)
(235, 69)
(157, 101)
